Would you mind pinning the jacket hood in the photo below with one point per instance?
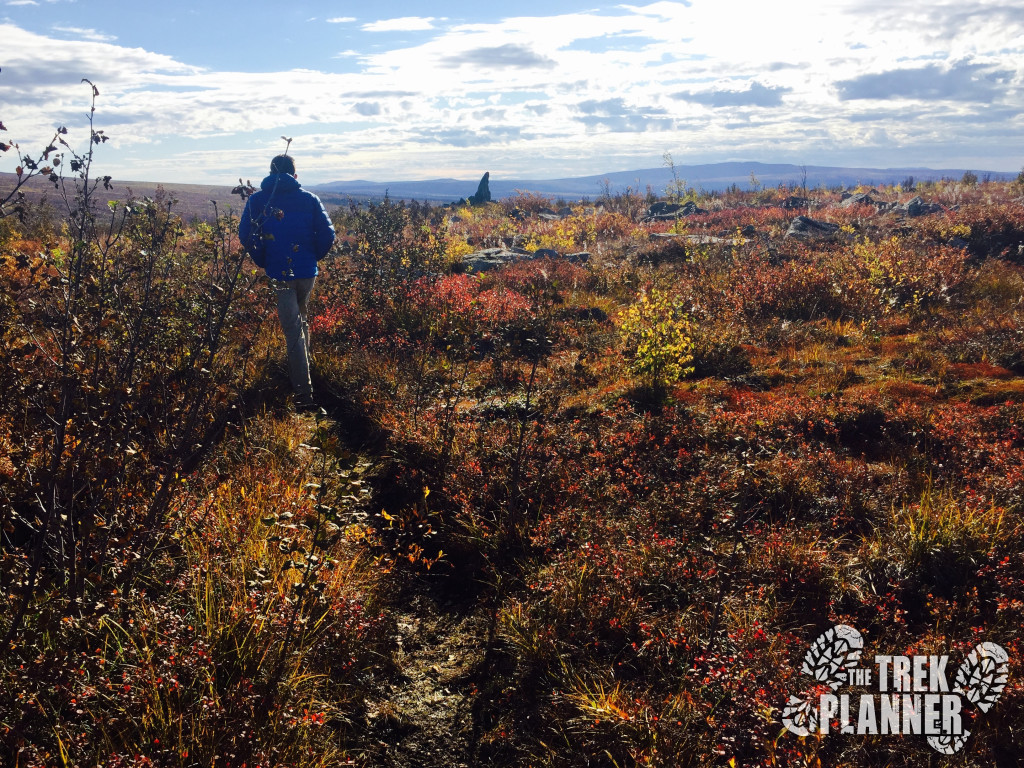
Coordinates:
(285, 183)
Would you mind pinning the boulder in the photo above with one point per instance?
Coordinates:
(793, 202)
(663, 211)
(863, 198)
(483, 191)
(545, 253)
(565, 212)
(806, 228)
(489, 258)
(916, 206)
(662, 207)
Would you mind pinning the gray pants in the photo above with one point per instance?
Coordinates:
(292, 298)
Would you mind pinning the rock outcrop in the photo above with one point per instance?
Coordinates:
(483, 191)
(492, 258)
(863, 198)
(663, 211)
(806, 228)
(916, 206)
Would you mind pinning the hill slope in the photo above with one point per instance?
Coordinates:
(195, 200)
(714, 176)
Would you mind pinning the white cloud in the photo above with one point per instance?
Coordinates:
(85, 34)
(571, 94)
(22, 2)
(341, 20)
(403, 24)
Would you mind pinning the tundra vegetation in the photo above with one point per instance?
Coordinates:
(561, 513)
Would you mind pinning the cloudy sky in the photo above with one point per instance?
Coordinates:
(202, 92)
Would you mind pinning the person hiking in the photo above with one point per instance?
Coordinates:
(286, 231)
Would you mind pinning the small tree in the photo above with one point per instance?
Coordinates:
(657, 334)
(676, 190)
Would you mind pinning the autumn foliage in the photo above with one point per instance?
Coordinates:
(655, 475)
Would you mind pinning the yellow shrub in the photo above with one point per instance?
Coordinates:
(657, 334)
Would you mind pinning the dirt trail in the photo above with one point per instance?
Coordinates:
(424, 716)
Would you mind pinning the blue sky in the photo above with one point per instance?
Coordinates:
(202, 92)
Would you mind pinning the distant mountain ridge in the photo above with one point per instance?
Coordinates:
(709, 177)
(195, 200)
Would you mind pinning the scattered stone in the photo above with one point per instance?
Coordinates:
(549, 216)
(794, 202)
(699, 239)
(489, 258)
(806, 228)
(863, 198)
(663, 211)
(492, 258)
(916, 206)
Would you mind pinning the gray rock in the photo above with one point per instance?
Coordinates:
(549, 216)
(489, 258)
(916, 206)
(492, 258)
(793, 202)
(662, 207)
(806, 228)
(483, 191)
(863, 198)
(699, 239)
(663, 211)
(545, 253)
(565, 212)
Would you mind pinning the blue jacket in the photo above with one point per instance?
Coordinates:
(296, 232)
